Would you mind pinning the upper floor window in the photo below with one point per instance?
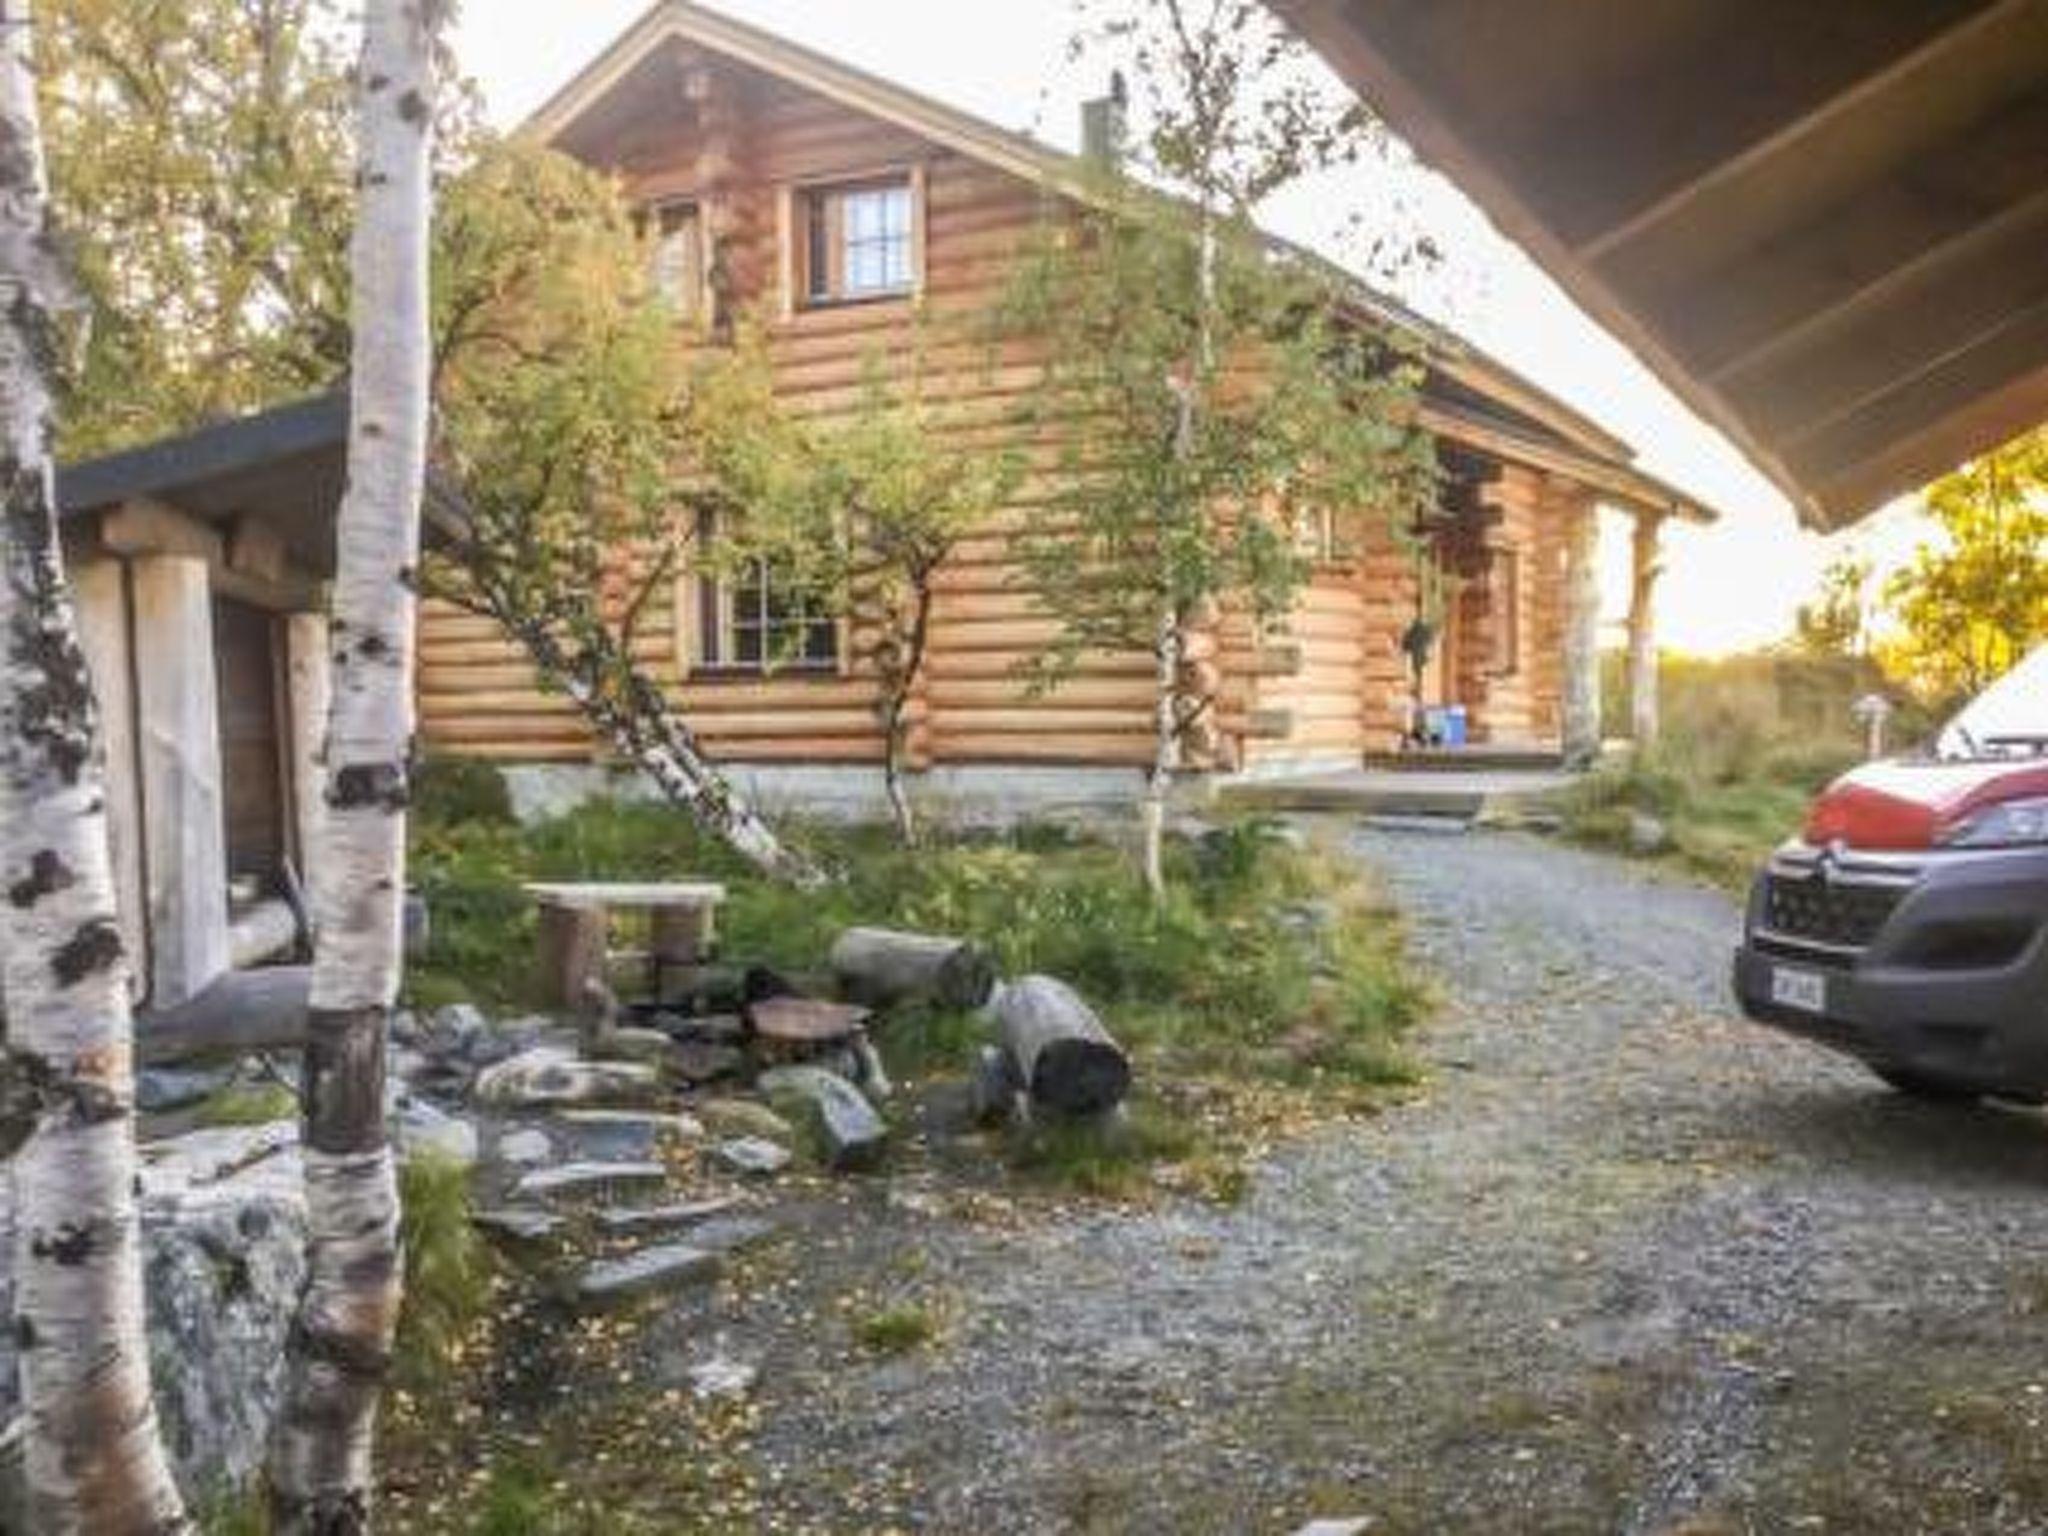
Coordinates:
(679, 275)
(859, 241)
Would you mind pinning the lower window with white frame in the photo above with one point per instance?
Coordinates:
(754, 621)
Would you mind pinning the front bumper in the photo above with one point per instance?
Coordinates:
(1933, 963)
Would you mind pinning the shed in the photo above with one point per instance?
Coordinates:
(200, 565)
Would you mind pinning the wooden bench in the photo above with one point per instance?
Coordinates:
(575, 929)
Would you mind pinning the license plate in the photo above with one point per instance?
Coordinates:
(1794, 988)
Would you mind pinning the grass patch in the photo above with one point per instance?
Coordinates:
(898, 1329)
(448, 1267)
(248, 1104)
(1111, 1157)
(1225, 975)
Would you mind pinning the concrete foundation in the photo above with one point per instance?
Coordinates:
(965, 796)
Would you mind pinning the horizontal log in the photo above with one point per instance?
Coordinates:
(885, 968)
(241, 1011)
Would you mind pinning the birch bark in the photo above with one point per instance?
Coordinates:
(95, 1461)
(340, 1344)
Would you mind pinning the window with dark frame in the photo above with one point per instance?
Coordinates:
(755, 623)
(1504, 611)
(859, 241)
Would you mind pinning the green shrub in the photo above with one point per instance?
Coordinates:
(451, 791)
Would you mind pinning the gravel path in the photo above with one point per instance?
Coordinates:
(1628, 1264)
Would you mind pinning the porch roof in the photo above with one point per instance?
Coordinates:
(1820, 223)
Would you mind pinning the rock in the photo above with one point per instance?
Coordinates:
(720, 1376)
(551, 1074)
(993, 1087)
(850, 1133)
(161, 1088)
(705, 1061)
(405, 1027)
(730, 1234)
(626, 1043)
(1353, 1527)
(623, 1219)
(404, 1064)
(521, 1222)
(422, 1130)
(451, 1029)
(572, 1179)
(752, 1154)
(651, 1269)
(744, 1117)
(523, 1148)
(223, 1245)
(624, 1134)
(1647, 835)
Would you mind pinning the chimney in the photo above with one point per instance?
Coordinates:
(1105, 123)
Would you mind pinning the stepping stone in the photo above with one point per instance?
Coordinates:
(524, 1148)
(551, 1074)
(729, 1234)
(521, 1222)
(651, 1269)
(625, 1133)
(650, 1218)
(752, 1154)
(587, 1178)
(851, 1133)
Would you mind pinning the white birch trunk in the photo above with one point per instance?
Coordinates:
(95, 1461)
(321, 1470)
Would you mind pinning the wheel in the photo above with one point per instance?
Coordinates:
(1919, 1085)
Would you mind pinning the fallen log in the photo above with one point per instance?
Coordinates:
(238, 1012)
(883, 967)
(1062, 1057)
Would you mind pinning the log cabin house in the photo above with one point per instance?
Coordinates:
(844, 202)
(782, 180)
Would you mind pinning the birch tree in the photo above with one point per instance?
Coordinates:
(340, 1344)
(1209, 393)
(573, 424)
(95, 1460)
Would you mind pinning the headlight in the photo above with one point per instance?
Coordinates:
(2009, 824)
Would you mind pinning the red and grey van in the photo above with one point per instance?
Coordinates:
(1907, 924)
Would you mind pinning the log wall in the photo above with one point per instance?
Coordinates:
(1330, 682)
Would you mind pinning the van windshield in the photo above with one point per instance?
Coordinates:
(2008, 719)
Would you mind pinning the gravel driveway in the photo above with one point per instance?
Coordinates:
(1627, 1264)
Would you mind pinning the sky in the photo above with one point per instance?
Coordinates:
(1729, 587)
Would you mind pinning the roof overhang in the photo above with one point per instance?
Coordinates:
(1822, 224)
(286, 467)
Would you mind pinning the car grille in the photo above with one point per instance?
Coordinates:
(1840, 914)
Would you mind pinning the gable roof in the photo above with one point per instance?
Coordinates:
(677, 21)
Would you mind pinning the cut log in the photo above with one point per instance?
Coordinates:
(572, 938)
(242, 1011)
(883, 967)
(1063, 1058)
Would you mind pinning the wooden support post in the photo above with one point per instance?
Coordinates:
(309, 684)
(102, 594)
(573, 938)
(1581, 692)
(184, 832)
(1644, 723)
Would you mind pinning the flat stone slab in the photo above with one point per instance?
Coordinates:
(525, 1147)
(653, 1218)
(661, 1123)
(721, 1376)
(623, 1135)
(730, 1234)
(587, 1178)
(752, 1154)
(521, 1222)
(550, 1075)
(651, 1269)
